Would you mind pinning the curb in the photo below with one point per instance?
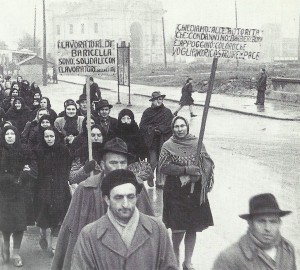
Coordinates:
(212, 107)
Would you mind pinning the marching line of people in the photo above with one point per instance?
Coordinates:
(97, 214)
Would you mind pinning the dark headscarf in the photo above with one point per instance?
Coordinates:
(11, 90)
(71, 122)
(35, 89)
(16, 144)
(84, 124)
(56, 142)
(126, 129)
(22, 104)
(48, 102)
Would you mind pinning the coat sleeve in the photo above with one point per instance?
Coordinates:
(223, 263)
(82, 256)
(77, 173)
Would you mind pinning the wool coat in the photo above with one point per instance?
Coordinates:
(60, 122)
(243, 255)
(100, 247)
(186, 95)
(87, 205)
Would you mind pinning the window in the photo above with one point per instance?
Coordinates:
(82, 28)
(71, 29)
(96, 27)
(58, 29)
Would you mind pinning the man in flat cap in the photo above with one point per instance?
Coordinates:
(124, 238)
(155, 127)
(88, 205)
(262, 247)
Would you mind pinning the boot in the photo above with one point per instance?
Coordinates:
(175, 113)
(193, 115)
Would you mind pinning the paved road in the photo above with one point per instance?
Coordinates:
(252, 155)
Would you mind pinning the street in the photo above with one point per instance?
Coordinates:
(251, 154)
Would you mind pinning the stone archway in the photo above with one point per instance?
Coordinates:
(136, 43)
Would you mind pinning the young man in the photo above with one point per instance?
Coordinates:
(262, 247)
(124, 238)
(155, 127)
(88, 205)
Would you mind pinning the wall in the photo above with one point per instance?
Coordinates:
(32, 73)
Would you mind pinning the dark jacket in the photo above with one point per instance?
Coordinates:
(94, 90)
(244, 255)
(186, 95)
(110, 126)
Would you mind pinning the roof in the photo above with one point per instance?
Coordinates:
(33, 60)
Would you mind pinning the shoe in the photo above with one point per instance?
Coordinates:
(184, 267)
(17, 261)
(52, 252)
(175, 113)
(193, 115)
(43, 243)
(159, 186)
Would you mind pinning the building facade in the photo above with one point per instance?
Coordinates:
(136, 21)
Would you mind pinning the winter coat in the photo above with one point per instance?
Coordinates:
(94, 90)
(186, 95)
(100, 246)
(87, 205)
(243, 255)
(60, 122)
(110, 126)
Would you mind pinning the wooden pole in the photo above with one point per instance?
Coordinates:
(205, 112)
(164, 40)
(129, 101)
(34, 31)
(44, 47)
(88, 117)
(118, 69)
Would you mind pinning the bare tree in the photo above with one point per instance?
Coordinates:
(27, 42)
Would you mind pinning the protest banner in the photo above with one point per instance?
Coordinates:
(215, 42)
(86, 57)
(221, 42)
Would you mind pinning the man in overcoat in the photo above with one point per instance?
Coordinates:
(261, 88)
(88, 205)
(262, 247)
(155, 127)
(124, 238)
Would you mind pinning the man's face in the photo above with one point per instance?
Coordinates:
(122, 202)
(113, 161)
(104, 112)
(83, 105)
(265, 227)
(157, 102)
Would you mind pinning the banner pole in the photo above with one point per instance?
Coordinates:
(205, 113)
(118, 102)
(88, 118)
(129, 101)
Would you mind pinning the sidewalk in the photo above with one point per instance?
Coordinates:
(244, 105)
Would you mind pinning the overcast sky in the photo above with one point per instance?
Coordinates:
(17, 16)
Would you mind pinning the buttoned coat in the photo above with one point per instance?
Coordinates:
(243, 255)
(87, 205)
(100, 246)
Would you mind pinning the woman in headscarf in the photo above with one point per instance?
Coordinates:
(19, 113)
(7, 102)
(34, 88)
(13, 157)
(31, 127)
(45, 103)
(128, 131)
(183, 212)
(53, 194)
(81, 166)
(69, 125)
(25, 92)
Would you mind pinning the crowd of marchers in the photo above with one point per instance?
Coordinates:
(95, 213)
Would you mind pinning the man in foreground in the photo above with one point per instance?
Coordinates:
(124, 238)
(88, 205)
(262, 247)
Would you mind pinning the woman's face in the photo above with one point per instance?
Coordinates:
(71, 111)
(41, 113)
(35, 85)
(16, 86)
(10, 136)
(44, 103)
(45, 123)
(37, 95)
(49, 137)
(96, 135)
(18, 104)
(15, 93)
(126, 119)
(180, 128)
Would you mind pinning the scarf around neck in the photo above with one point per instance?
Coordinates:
(264, 246)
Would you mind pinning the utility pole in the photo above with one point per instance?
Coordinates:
(236, 25)
(44, 47)
(299, 41)
(164, 39)
(34, 30)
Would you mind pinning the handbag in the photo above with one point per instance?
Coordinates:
(142, 171)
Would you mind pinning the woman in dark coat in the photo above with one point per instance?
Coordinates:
(186, 97)
(19, 113)
(183, 212)
(45, 103)
(13, 157)
(26, 93)
(53, 194)
(7, 102)
(34, 88)
(129, 132)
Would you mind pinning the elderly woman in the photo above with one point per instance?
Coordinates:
(13, 157)
(69, 125)
(53, 194)
(81, 166)
(183, 212)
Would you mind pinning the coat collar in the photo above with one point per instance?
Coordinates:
(108, 235)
